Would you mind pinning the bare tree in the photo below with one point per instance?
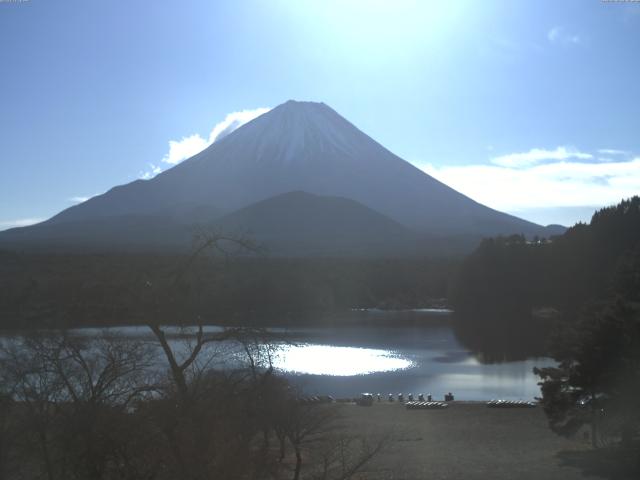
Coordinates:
(71, 394)
(115, 408)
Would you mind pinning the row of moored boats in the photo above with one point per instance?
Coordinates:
(425, 405)
(510, 404)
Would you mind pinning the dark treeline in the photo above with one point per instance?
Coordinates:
(68, 290)
(596, 383)
(511, 291)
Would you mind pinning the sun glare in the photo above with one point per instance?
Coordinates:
(338, 361)
(375, 31)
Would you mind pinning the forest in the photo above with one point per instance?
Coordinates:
(511, 293)
(63, 290)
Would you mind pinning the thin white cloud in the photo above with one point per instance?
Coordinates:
(539, 155)
(233, 121)
(558, 35)
(21, 222)
(151, 172)
(562, 183)
(180, 150)
(80, 199)
(613, 151)
(553, 34)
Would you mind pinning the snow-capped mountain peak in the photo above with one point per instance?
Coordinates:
(307, 147)
(288, 132)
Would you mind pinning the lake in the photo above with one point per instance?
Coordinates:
(412, 359)
(422, 356)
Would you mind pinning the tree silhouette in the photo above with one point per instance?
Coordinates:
(597, 381)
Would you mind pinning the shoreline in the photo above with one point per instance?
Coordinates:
(354, 317)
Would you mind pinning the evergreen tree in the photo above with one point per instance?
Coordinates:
(597, 381)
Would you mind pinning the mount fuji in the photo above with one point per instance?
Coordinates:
(340, 176)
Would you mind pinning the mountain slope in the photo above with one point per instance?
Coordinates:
(309, 147)
(291, 224)
(297, 146)
(158, 230)
(298, 223)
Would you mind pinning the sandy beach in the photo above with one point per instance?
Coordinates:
(471, 441)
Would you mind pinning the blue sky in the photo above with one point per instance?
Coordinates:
(529, 107)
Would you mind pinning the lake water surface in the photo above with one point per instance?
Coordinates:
(429, 359)
(423, 356)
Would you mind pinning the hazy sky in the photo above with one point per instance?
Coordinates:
(529, 107)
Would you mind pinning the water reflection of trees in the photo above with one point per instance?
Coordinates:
(494, 338)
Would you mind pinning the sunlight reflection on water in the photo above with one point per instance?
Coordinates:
(338, 361)
(422, 357)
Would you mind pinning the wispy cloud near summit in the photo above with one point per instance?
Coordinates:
(187, 147)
